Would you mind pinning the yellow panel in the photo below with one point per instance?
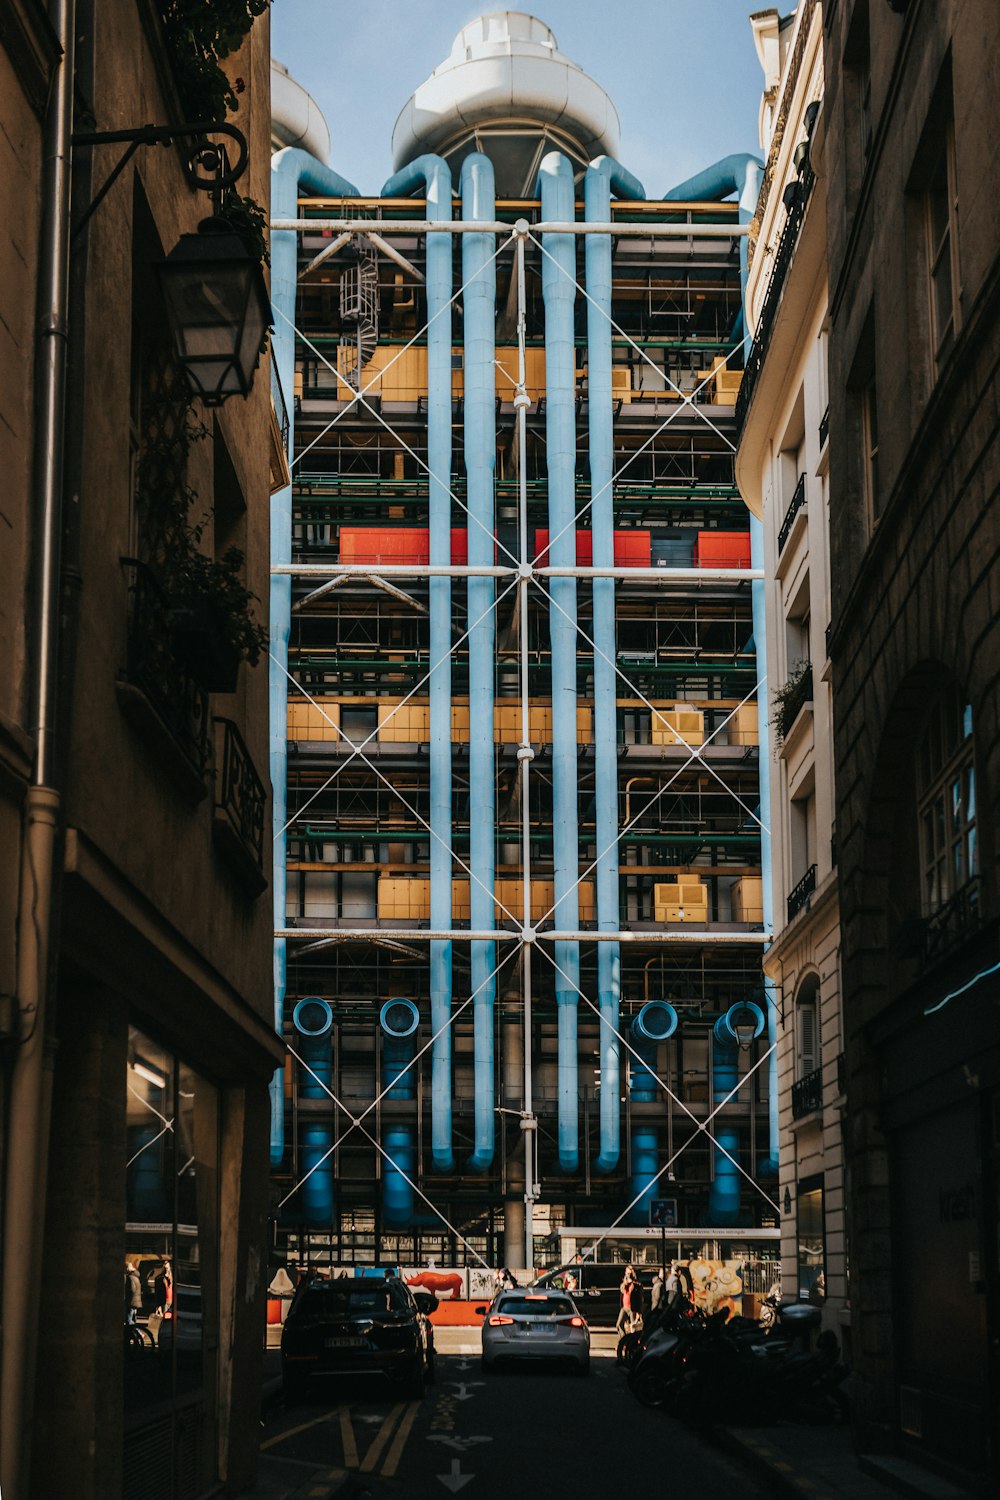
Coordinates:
(621, 384)
(403, 896)
(308, 721)
(534, 373)
(743, 727)
(684, 900)
(460, 723)
(748, 899)
(460, 908)
(674, 726)
(408, 725)
(507, 723)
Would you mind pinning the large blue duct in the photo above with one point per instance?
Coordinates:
(724, 1195)
(313, 1020)
(292, 171)
(604, 175)
(555, 185)
(399, 1020)
(656, 1022)
(479, 336)
(431, 175)
(741, 173)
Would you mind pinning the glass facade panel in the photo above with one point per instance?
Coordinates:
(812, 1248)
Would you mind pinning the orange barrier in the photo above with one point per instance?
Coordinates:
(632, 549)
(458, 1314)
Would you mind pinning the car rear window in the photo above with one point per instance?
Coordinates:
(537, 1307)
(334, 1299)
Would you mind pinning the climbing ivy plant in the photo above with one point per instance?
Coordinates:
(200, 34)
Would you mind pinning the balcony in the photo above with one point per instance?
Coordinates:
(952, 924)
(772, 301)
(158, 695)
(792, 699)
(798, 501)
(800, 895)
(240, 803)
(807, 1094)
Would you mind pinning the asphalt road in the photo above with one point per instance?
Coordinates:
(497, 1436)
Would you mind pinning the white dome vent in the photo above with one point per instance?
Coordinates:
(296, 118)
(507, 90)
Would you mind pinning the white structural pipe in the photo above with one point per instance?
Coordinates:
(621, 229)
(364, 571)
(527, 936)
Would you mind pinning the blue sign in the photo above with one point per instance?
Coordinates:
(663, 1213)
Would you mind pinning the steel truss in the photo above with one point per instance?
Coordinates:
(520, 575)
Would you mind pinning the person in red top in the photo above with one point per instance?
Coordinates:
(630, 1293)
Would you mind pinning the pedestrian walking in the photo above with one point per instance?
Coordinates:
(672, 1286)
(133, 1292)
(163, 1290)
(658, 1295)
(628, 1294)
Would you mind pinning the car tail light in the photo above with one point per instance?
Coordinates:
(498, 1318)
(577, 1323)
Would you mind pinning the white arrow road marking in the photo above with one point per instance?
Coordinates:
(465, 1388)
(456, 1480)
(459, 1444)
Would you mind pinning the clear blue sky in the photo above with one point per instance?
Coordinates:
(683, 74)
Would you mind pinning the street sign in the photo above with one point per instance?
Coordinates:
(663, 1213)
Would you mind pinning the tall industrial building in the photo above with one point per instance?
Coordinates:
(520, 911)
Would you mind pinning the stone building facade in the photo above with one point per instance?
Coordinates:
(782, 471)
(913, 219)
(136, 1030)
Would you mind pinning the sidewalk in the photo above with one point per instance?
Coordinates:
(819, 1463)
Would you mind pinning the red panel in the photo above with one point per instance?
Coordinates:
(722, 549)
(632, 549)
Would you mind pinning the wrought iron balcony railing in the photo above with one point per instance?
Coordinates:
(772, 301)
(155, 688)
(800, 895)
(240, 802)
(807, 1094)
(948, 928)
(798, 501)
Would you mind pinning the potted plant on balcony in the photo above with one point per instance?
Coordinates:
(788, 700)
(209, 607)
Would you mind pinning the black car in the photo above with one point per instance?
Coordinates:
(358, 1326)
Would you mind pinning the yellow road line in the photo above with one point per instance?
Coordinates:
(381, 1438)
(347, 1437)
(303, 1427)
(399, 1441)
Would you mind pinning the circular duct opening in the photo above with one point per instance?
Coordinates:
(744, 1022)
(312, 1017)
(657, 1021)
(399, 1017)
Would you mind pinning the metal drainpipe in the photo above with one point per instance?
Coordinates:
(556, 188)
(479, 338)
(292, 170)
(605, 175)
(741, 174)
(29, 1097)
(433, 175)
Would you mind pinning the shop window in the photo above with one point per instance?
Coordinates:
(811, 1240)
(171, 1242)
(946, 804)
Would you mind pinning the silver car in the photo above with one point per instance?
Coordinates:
(535, 1325)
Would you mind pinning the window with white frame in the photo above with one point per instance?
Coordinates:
(946, 803)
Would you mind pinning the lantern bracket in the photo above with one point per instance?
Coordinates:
(207, 168)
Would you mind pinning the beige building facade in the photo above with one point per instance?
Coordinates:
(781, 469)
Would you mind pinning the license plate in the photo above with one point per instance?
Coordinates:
(346, 1343)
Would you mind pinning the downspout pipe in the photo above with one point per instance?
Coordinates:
(556, 188)
(724, 1194)
(604, 176)
(741, 173)
(313, 1020)
(292, 171)
(431, 175)
(30, 1076)
(656, 1022)
(479, 304)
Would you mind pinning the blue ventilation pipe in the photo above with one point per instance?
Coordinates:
(292, 171)
(313, 1020)
(724, 1195)
(741, 173)
(555, 185)
(656, 1022)
(399, 1020)
(432, 176)
(604, 175)
(479, 304)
